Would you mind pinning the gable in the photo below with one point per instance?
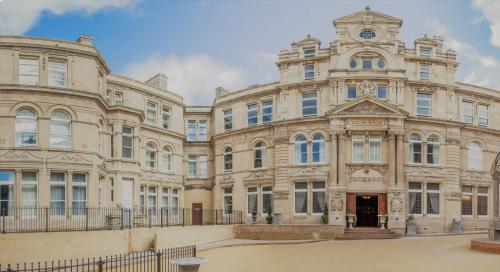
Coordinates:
(368, 16)
(367, 106)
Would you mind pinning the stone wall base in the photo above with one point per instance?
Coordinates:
(287, 232)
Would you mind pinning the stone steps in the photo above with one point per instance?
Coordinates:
(367, 234)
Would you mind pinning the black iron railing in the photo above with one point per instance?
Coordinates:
(51, 219)
(147, 261)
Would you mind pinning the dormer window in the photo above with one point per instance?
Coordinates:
(425, 52)
(309, 53)
(367, 34)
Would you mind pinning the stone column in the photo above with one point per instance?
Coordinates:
(281, 192)
(17, 188)
(400, 161)
(337, 189)
(452, 195)
(340, 161)
(396, 193)
(391, 159)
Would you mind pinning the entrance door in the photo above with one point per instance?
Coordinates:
(197, 214)
(367, 210)
(127, 201)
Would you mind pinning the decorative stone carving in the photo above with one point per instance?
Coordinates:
(424, 172)
(453, 140)
(366, 107)
(396, 202)
(18, 156)
(281, 139)
(226, 180)
(309, 171)
(259, 175)
(476, 176)
(337, 202)
(71, 157)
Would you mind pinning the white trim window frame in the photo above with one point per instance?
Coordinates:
(259, 156)
(252, 114)
(191, 130)
(79, 194)
(300, 145)
(310, 104)
(309, 52)
(468, 112)
(202, 130)
(166, 116)
(151, 112)
(202, 166)
(252, 200)
(58, 193)
(127, 142)
(375, 148)
(433, 150)
(266, 199)
(267, 111)
(227, 200)
(166, 160)
(26, 127)
(228, 119)
(433, 192)
(29, 70)
(424, 104)
(29, 194)
(309, 71)
(151, 156)
(425, 52)
(152, 201)
(192, 166)
(118, 98)
(227, 159)
(300, 194)
(425, 71)
(416, 189)
(318, 148)
(60, 130)
(358, 148)
(415, 148)
(482, 115)
(57, 72)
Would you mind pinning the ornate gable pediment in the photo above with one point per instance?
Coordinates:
(71, 157)
(366, 17)
(19, 156)
(367, 105)
(259, 175)
(309, 172)
(418, 172)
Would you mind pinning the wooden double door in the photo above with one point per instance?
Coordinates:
(366, 206)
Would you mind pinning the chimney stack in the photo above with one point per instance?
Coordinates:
(158, 81)
(219, 91)
(85, 39)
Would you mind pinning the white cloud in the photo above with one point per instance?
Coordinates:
(193, 77)
(490, 10)
(18, 16)
(479, 69)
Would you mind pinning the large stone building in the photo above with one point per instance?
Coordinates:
(365, 125)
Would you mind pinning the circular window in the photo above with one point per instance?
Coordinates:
(381, 64)
(367, 34)
(353, 64)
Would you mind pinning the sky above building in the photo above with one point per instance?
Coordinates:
(201, 45)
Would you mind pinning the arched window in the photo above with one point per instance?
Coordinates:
(60, 129)
(228, 159)
(318, 148)
(475, 156)
(150, 156)
(415, 151)
(166, 159)
(26, 128)
(433, 149)
(259, 155)
(300, 149)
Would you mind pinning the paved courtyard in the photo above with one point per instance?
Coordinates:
(438, 253)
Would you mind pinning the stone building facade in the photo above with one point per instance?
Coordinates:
(364, 126)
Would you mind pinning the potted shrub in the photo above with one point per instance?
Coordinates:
(324, 217)
(411, 225)
(254, 217)
(269, 217)
(351, 219)
(382, 218)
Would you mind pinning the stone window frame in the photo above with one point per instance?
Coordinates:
(474, 200)
(309, 195)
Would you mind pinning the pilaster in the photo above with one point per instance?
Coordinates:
(281, 190)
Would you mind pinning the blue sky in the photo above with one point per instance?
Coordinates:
(204, 44)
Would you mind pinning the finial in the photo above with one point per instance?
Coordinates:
(367, 8)
(308, 36)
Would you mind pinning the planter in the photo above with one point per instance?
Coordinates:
(351, 218)
(382, 219)
(456, 226)
(254, 217)
(411, 228)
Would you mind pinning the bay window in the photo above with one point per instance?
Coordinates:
(60, 129)
(127, 142)
(26, 128)
(79, 189)
(150, 156)
(197, 166)
(118, 99)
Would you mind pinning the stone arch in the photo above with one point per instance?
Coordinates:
(345, 58)
(63, 108)
(39, 112)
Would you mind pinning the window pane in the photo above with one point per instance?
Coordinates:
(309, 104)
(57, 73)
(28, 71)
(228, 120)
(191, 130)
(382, 92)
(202, 133)
(300, 202)
(351, 92)
(309, 71)
(267, 111)
(252, 114)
